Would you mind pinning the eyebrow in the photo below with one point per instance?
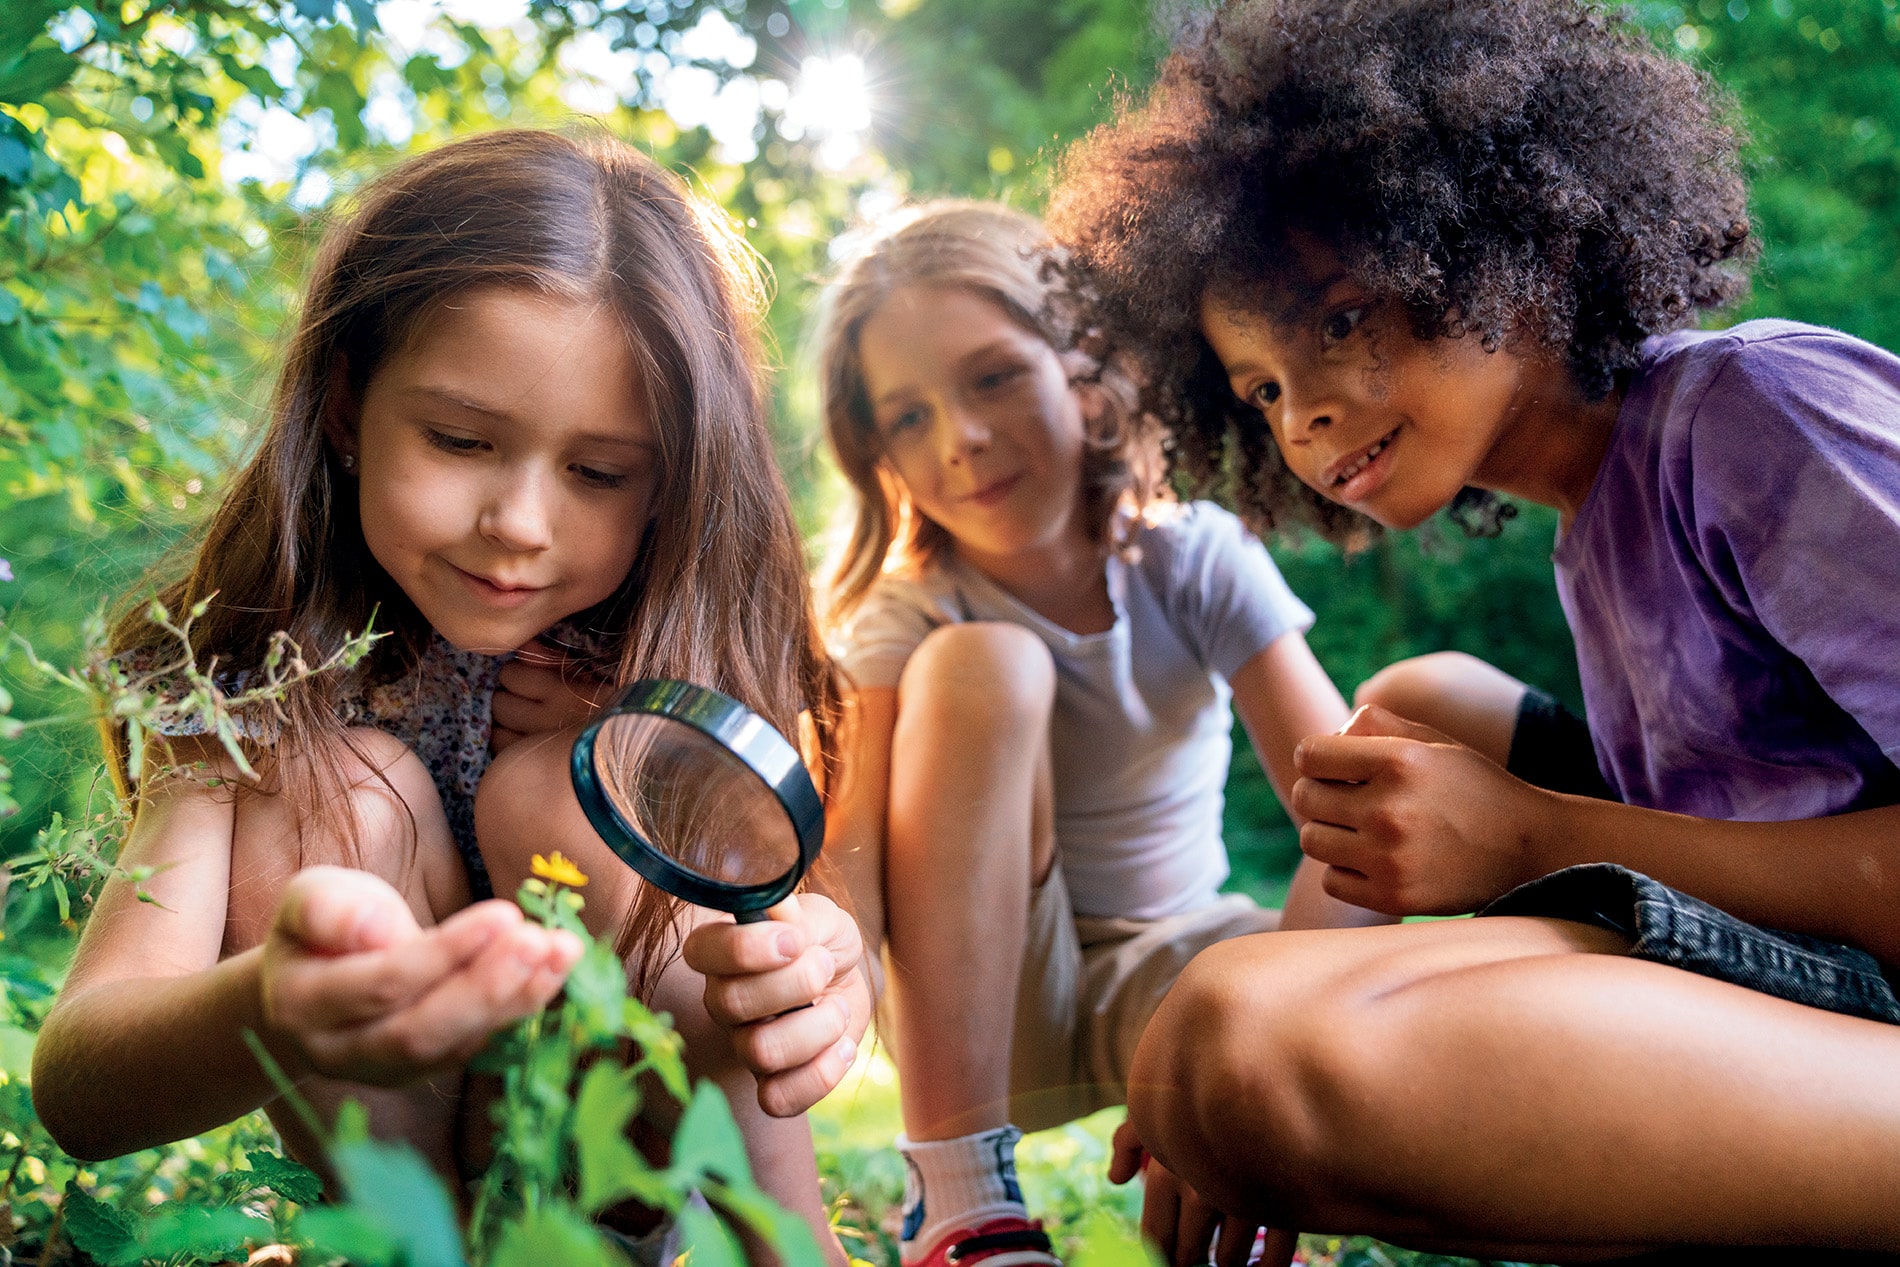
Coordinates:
(1304, 298)
(456, 400)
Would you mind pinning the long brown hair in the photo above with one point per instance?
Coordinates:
(718, 594)
(1003, 256)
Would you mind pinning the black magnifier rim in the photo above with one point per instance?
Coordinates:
(741, 732)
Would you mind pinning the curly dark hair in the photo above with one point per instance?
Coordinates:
(1526, 170)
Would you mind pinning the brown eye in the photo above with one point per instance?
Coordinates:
(1265, 395)
(1339, 327)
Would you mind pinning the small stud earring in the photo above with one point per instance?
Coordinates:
(349, 463)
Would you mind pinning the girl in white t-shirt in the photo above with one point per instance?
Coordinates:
(1041, 654)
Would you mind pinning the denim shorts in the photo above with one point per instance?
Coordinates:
(1550, 748)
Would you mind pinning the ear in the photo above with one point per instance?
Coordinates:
(341, 411)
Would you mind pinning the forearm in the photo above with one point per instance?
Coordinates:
(1837, 877)
(132, 1063)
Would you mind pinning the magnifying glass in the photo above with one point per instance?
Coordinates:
(700, 795)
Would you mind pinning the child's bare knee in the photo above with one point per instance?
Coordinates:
(1420, 682)
(525, 804)
(1237, 1080)
(381, 813)
(984, 671)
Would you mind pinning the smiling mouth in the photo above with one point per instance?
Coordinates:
(1362, 461)
(993, 492)
(499, 592)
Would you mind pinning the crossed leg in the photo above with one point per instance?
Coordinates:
(1517, 1088)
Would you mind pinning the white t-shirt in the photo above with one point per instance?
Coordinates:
(1142, 731)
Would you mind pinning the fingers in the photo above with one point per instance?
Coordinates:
(1280, 1247)
(339, 910)
(1326, 801)
(1235, 1243)
(1194, 1232)
(792, 1092)
(1350, 758)
(1128, 1156)
(1161, 1210)
(743, 998)
(1371, 719)
(316, 991)
(725, 948)
(512, 976)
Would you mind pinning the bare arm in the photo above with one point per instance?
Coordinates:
(1283, 695)
(145, 1044)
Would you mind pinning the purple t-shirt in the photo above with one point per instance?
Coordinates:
(1733, 578)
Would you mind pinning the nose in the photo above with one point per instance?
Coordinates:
(1306, 408)
(516, 512)
(964, 432)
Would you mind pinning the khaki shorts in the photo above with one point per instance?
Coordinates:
(1088, 987)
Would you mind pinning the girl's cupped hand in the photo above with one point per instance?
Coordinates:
(356, 989)
(1410, 822)
(542, 689)
(792, 992)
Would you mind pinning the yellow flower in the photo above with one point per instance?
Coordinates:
(558, 870)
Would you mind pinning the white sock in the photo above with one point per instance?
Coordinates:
(957, 1183)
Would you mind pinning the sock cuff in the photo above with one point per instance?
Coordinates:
(952, 1181)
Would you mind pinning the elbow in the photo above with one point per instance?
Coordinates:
(55, 1104)
(60, 1099)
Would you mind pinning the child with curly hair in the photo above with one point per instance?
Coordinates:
(1383, 258)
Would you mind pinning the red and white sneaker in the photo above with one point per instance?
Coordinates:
(1002, 1242)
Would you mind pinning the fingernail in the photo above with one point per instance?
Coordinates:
(1357, 713)
(787, 945)
(843, 1009)
(846, 1050)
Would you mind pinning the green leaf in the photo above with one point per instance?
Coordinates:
(707, 1240)
(555, 1235)
(708, 1143)
(16, 160)
(341, 1231)
(289, 1180)
(175, 1231)
(255, 79)
(662, 1049)
(105, 1232)
(394, 1189)
(611, 1168)
(787, 1234)
(42, 68)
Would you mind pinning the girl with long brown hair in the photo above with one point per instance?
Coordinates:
(520, 428)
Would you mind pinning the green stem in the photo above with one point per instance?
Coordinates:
(286, 1088)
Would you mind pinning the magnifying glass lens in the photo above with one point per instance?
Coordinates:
(693, 801)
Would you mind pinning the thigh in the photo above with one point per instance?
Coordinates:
(1517, 1082)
